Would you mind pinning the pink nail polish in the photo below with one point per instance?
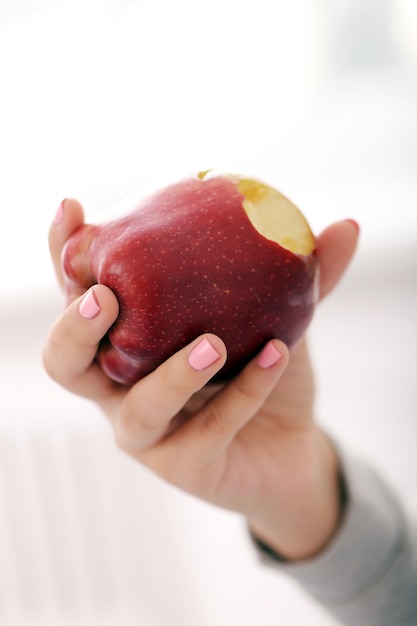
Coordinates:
(203, 355)
(59, 215)
(89, 307)
(269, 356)
(354, 223)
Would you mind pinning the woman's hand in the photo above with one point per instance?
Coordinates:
(251, 445)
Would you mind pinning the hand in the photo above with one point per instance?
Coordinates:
(251, 446)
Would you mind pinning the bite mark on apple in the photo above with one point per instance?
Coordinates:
(188, 260)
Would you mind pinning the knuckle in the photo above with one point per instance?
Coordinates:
(213, 421)
(246, 389)
(128, 422)
(119, 436)
(134, 425)
(175, 385)
(50, 358)
(125, 430)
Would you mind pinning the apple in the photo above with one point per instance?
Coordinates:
(214, 252)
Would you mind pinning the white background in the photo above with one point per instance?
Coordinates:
(98, 98)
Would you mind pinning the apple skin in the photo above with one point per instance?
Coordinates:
(184, 261)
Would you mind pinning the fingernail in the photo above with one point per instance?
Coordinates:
(355, 224)
(89, 307)
(59, 215)
(203, 355)
(269, 356)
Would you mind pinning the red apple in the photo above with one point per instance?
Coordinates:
(216, 253)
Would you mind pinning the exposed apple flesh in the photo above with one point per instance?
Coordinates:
(213, 253)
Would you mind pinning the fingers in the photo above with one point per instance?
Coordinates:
(68, 218)
(220, 420)
(146, 415)
(155, 400)
(73, 342)
(335, 248)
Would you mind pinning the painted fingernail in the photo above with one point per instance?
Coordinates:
(354, 223)
(59, 215)
(269, 356)
(203, 355)
(89, 307)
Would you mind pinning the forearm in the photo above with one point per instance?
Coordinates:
(304, 527)
(367, 574)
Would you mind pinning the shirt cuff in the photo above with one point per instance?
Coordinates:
(351, 575)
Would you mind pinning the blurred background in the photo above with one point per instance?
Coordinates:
(98, 98)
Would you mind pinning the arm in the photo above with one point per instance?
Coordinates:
(367, 574)
(251, 446)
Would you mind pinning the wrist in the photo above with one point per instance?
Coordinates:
(305, 525)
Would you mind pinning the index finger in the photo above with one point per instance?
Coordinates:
(73, 341)
(68, 218)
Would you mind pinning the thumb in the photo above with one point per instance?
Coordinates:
(335, 249)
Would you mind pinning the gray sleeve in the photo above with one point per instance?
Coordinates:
(367, 575)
